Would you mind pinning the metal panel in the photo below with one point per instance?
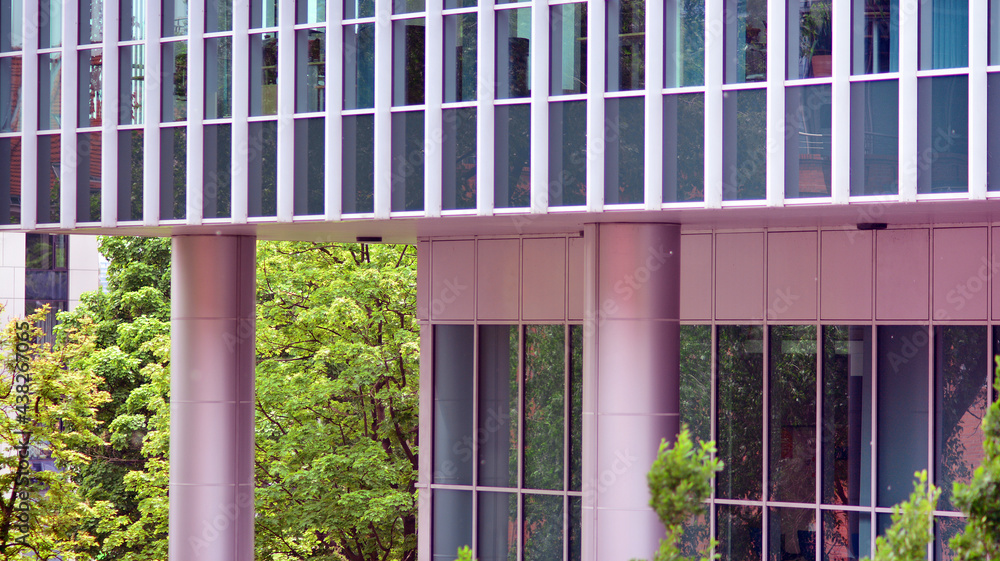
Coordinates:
(696, 277)
(423, 279)
(902, 279)
(846, 275)
(497, 276)
(452, 277)
(543, 273)
(792, 276)
(739, 276)
(961, 274)
(575, 281)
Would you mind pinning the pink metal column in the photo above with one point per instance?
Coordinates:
(212, 393)
(631, 384)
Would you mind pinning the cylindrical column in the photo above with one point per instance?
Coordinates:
(212, 398)
(632, 385)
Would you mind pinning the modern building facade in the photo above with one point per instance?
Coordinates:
(774, 221)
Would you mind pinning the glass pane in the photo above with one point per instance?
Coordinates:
(49, 91)
(575, 416)
(132, 22)
(217, 170)
(697, 530)
(175, 18)
(310, 166)
(10, 180)
(875, 138)
(38, 251)
(10, 94)
(791, 534)
(310, 70)
(807, 141)
(90, 93)
(452, 522)
(132, 85)
(453, 373)
(48, 179)
(218, 77)
(130, 170)
(359, 66)
(91, 21)
(218, 15)
(745, 41)
(359, 9)
(943, 134)
(961, 363)
(359, 164)
(944, 530)
(498, 418)
(902, 410)
(568, 49)
(684, 147)
(264, 74)
(568, 153)
(88, 177)
(624, 150)
(263, 168)
(685, 43)
(993, 132)
(407, 176)
(174, 81)
(792, 439)
(626, 64)
(739, 530)
(810, 42)
(310, 11)
(696, 380)
(263, 13)
(514, 53)
(450, 4)
(458, 150)
(407, 6)
(49, 322)
(944, 34)
(875, 36)
(512, 149)
(408, 61)
(543, 527)
(50, 23)
(496, 529)
(11, 17)
(994, 40)
(544, 407)
(460, 48)
(847, 415)
(575, 529)
(744, 145)
(740, 422)
(173, 173)
(46, 285)
(846, 535)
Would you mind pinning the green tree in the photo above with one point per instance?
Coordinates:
(912, 525)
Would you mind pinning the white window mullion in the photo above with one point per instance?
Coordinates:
(596, 56)
(540, 107)
(433, 96)
(109, 132)
(241, 110)
(908, 162)
(334, 105)
(286, 110)
(840, 127)
(196, 113)
(978, 105)
(776, 59)
(485, 113)
(383, 104)
(29, 115)
(70, 115)
(151, 129)
(714, 53)
(654, 106)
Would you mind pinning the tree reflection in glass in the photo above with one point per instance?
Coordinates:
(544, 395)
(792, 434)
(740, 428)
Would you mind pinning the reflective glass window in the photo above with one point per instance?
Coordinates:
(943, 134)
(575, 424)
(131, 19)
(10, 180)
(792, 435)
(218, 15)
(874, 36)
(944, 34)
(739, 426)
(512, 150)
(810, 38)
(739, 530)
(993, 132)
(451, 512)
(91, 21)
(407, 6)
(49, 196)
(791, 533)
(50, 14)
(453, 374)
(407, 175)
(626, 48)
(846, 535)
(173, 173)
(994, 37)
(458, 154)
(132, 85)
(513, 53)
(10, 94)
(263, 13)
(175, 18)
(263, 168)
(264, 74)
(684, 147)
(218, 77)
(745, 41)
(497, 518)
(685, 43)
(310, 11)
(460, 65)
(310, 166)
(744, 150)
(174, 86)
(696, 380)
(358, 185)
(451, 4)
(91, 95)
(217, 164)
(875, 137)
(498, 409)
(11, 17)
(946, 528)
(359, 9)
(359, 66)
(49, 91)
(130, 171)
(310, 70)
(408, 37)
(544, 410)
(568, 49)
(624, 152)
(542, 527)
(807, 141)
(568, 153)
(88, 177)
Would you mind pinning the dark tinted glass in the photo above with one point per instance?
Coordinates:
(740, 388)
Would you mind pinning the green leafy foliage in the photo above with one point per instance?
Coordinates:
(464, 554)
(912, 525)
